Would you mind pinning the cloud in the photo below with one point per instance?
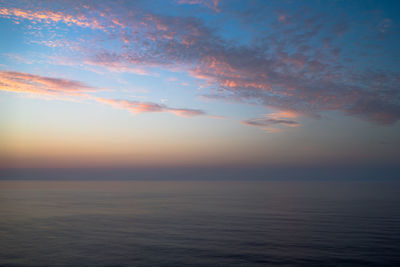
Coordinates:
(49, 16)
(299, 65)
(265, 122)
(270, 121)
(116, 66)
(212, 4)
(20, 82)
(140, 107)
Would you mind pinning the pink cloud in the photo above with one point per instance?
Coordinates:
(19, 82)
(25, 83)
(117, 67)
(140, 107)
(50, 16)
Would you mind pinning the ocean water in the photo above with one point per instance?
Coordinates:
(134, 223)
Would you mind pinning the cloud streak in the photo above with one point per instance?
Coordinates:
(270, 122)
(140, 107)
(18, 82)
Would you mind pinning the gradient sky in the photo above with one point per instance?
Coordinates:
(199, 83)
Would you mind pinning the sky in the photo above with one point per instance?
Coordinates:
(204, 83)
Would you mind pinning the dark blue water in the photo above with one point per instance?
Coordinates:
(199, 223)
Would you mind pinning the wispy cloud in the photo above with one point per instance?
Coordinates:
(269, 122)
(20, 82)
(298, 66)
(139, 107)
(212, 4)
(37, 85)
(265, 122)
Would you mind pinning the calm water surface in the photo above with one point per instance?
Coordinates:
(131, 223)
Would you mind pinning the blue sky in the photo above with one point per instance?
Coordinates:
(197, 82)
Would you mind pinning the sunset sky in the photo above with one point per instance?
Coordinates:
(199, 83)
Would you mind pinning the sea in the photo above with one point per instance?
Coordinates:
(199, 223)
